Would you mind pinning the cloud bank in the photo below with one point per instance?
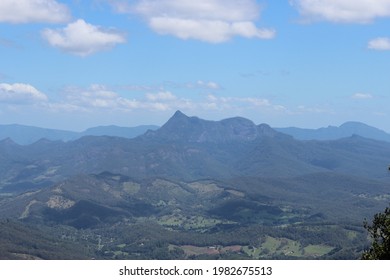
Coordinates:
(213, 21)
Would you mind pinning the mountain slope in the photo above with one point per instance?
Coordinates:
(117, 131)
(26, 135)
(21, 241)
(347, 129)
(88, 201)
(85, 201)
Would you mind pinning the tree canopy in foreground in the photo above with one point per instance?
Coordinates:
(379, 232)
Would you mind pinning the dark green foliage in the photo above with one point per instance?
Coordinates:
(84, 214)
(379, 232)
(247, 212)
(26, 241)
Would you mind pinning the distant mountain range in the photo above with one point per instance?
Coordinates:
(336, 132)
(189, 148)
(244, 130)
(25, 135)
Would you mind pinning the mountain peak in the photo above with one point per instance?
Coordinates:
(179, 114)
(353, 124)
(180, 127)
(359, 126)
(178, 118)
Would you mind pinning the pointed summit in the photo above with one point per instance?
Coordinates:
(178, 127)
(178, 119)
(179, 114)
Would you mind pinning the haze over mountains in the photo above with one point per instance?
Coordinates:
(201, 178)
(191, 148)
(333, 132)
(25, 135)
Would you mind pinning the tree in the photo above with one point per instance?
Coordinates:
(380, 234)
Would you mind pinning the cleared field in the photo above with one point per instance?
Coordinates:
(317, 250)
(188, 223)
(285, 247)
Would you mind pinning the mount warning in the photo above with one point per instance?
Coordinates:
(191, 189)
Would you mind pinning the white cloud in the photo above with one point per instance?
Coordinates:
(210, 85)
(165, 100)
(170, 85)
(20, 93)
(302, 109)
(362, 96)
(97, 97)
(380, 44)
(255, 101)
(343, 11)
(212, 31)
(242, 102)
(161, 96)
(63, 107)
(81, 38)
(203, 85)
(213, 21)
(25, 11)
(228, 10)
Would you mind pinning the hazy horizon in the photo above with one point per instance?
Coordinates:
(164, 121)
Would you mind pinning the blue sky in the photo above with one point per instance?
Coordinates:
(307, 63)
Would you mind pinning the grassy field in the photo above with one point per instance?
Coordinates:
(317, 250)
(131, 187)
(198, 223)
(285, 247)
